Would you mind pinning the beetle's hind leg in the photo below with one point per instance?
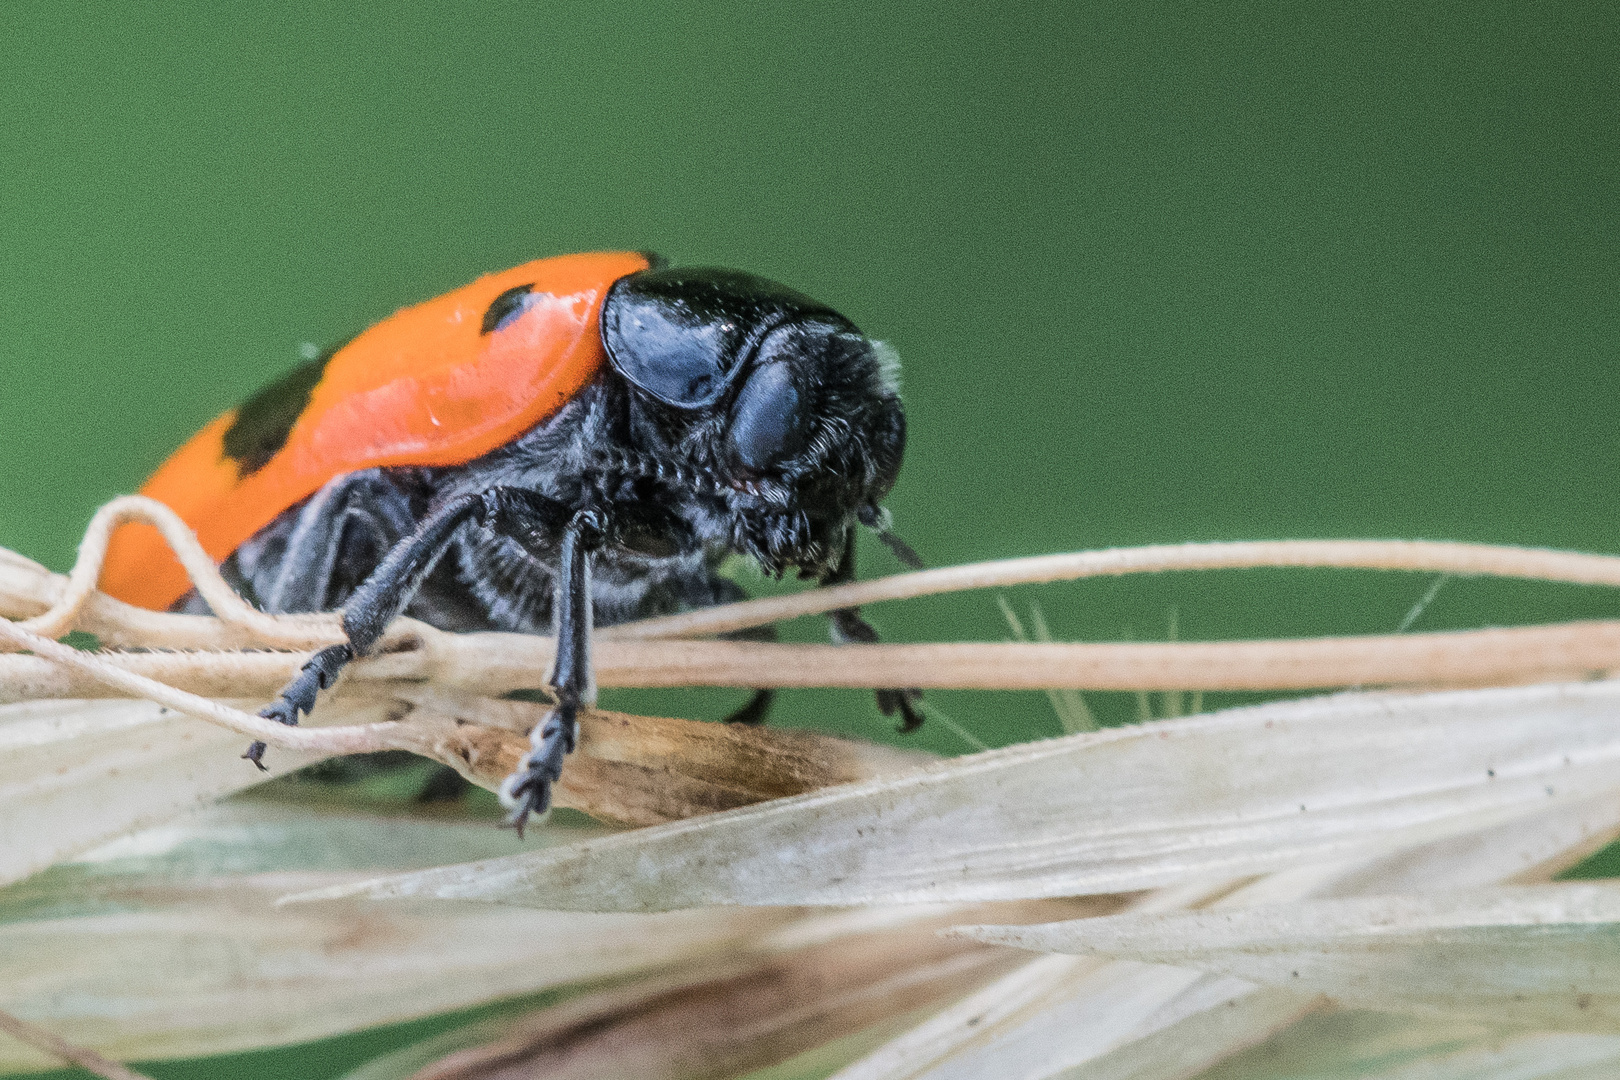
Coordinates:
(906, 702)
(342, 533)
(848, 627)
(755, 711)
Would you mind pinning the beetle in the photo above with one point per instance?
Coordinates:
(577, 441)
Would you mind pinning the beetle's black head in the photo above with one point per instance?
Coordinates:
(783, 405)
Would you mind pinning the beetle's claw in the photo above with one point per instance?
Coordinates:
(318, 673)
(906, 703)
(529, 795)
(528, 791)
(283, 711)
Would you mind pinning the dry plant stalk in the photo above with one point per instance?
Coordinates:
(699, 767)
(88, 1060)
(497, 663)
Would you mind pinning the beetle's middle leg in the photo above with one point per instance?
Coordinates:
(711, 590)
(573, 683)
(642, 527)
(343, 531)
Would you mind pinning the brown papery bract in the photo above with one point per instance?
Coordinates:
(641, 770)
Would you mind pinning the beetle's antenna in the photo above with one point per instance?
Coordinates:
(902, 550)
(878, 519)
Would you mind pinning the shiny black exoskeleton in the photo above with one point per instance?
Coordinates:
(734, 415)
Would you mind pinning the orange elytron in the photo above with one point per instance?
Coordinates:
(429, 385)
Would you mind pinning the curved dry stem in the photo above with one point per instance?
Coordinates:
(358, 739)
(1461, 560)
(286, 631)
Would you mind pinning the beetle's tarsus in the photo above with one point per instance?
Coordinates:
(755, 710)
(255, 754)
(298, 697)
(904, 702)
(528, 791)
(318, 673)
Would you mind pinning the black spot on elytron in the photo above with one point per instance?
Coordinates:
(265, 419)
(505, 307)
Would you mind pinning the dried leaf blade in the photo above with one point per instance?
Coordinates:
(1203, 799)
(1545, 957)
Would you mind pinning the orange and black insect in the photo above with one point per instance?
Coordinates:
(579, 440)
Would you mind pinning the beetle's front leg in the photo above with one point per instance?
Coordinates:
(848, 626)
(528, 791)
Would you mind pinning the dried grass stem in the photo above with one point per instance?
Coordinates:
(651, 654)
(359, 739)
(1460, 560)
(498, 663)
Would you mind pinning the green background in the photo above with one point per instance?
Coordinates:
(1156, 272)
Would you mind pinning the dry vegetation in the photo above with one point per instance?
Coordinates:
(1141, 902)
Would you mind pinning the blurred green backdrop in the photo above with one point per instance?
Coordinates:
(1156, 272)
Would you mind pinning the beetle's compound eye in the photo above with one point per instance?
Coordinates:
(768, 420)
(505, 307)
(682, 336)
